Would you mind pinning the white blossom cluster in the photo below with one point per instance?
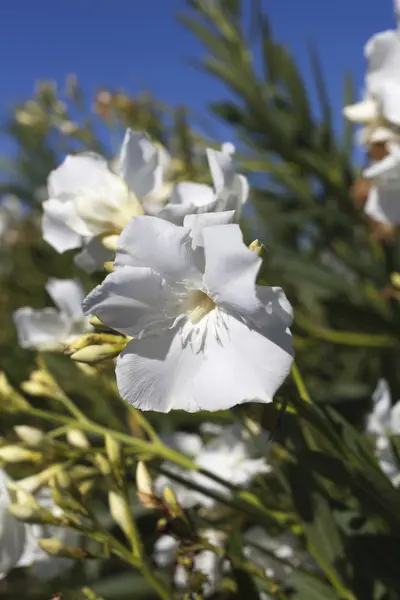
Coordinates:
(19, 542)
(383, 424)
(379, 114)
(183, 285)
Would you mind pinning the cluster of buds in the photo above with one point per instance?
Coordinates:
(93, 348)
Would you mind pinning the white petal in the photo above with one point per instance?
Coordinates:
(67, 295)
(55, 230)
(107, 207)
(76, 173)
(222, 169)
(388, 165)
(196, 224)
(383, 54)
(132, 299)
(231, 272)
(160, 245)
(186, 198)
(93, 256)
(276, 303)
(12, 532)
(234, 365)
(363, 112)
(141, 164)
(165, 549)
(395, 419)
(232, 190)
(378, 420)
(383, 205)
(40, 328)
(187, 443)
(389, 97)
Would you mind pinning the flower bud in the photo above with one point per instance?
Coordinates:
(95, 322)
(109, 266)
(103, 464)
(256, 247)
(11, 400)
(95, 354)
(171, 502)
(395, 280)
(145, 489)
(120, 511)
(113, 449)
(23, 497)
(110, 242)
(22, 513)
(34, 482)
(56, 547)
(14, 454)
(77, 438)
(30, 435)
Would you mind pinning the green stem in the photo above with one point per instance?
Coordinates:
(300, 385)
(346, 338)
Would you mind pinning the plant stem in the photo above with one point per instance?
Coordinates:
(300, 385)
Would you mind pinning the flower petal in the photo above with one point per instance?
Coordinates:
(362, 112)
(160, 245)
(196, 224)
(76, 173)
(231, 271)
(232, 190)
(383, 205)
(141, 164)
(378, 422)
(55, 230)
(44, 328)
(234, 365)
(132, 299)
(186, 198)
(93, 256)
(67, 295)
(383, 54)
(12, 532)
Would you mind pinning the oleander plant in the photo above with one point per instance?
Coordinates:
(199, 377)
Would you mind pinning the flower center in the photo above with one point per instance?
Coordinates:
(198, 304)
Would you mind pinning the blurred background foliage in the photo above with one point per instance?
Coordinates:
(319, 248)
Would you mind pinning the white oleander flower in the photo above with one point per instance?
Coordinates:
(384, 422)
(230, 191)
(231, 456)
(49, 328)
(13, 534)
(206, 337)
(44, 566)
(383, 202)
(285, 547)
(87, 199)
(382, 81)
(206, 561)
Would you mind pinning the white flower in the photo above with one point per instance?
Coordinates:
(45, 566)
(383, 202)
(230, 191)
(382, 81)
(206, 561)
(13, 533)
(49, 328)
(382, 423)
(86, 199)
(230, 456)
(206, 336)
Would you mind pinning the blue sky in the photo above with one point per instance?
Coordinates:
(138, 44)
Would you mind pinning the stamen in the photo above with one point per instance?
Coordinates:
(197, 305)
